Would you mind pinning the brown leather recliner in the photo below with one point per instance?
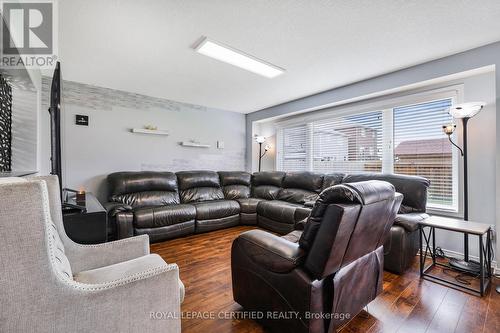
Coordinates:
(317, 279)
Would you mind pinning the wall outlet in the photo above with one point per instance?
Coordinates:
(220, 144)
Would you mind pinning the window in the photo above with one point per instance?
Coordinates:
(294, 152)
(348, 144)
(421, 148)
(401, 139)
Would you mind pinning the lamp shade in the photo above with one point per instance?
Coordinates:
(449, 129)
(260, 139)
(466, 110)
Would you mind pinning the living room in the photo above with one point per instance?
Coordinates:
(318, 166)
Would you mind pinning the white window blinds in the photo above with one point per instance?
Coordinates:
(348, 144)
(402, 139)
(294, 148)
(421, 148)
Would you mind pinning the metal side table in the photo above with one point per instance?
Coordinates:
(428, 248)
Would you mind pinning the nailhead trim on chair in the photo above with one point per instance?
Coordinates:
(67, 280)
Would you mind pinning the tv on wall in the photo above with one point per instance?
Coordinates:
(55, 122)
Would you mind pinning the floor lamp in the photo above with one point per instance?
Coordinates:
(260, 140)
(464, 112)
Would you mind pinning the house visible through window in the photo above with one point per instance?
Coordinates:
(403, 139)
(348, 144)
(421, 148)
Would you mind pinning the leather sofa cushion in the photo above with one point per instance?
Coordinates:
(332, 179)
(300, 187)
(150, 217)
(309, 181)
(217, 223)
(413, 188)
(267, 192)
(232, 192)
(144, 188)
(200, 194)
(266, 185)
(193, 179)
(249, 205)
(235, 184)
(196, 186)
(235, 178)
(277, 210)
(274, 178)
(296, 195)
(159, 234)
(147, 198)
(216, 209)
(141, 181)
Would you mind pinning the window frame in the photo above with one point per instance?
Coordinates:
(386, 105)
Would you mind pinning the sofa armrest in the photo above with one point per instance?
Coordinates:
(272, 252)
(86, 257)
(139, 288)
(121, 270)
(301, 224)
(124, 224)
(120, 217)
(302, 213)
(410, 221)
(116, 207)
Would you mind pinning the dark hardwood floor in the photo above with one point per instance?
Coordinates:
(407, 303)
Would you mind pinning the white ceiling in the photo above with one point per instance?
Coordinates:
(144, 46)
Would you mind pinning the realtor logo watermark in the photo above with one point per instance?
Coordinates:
(29, 34)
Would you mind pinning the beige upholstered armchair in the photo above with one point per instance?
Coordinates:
(48, 283)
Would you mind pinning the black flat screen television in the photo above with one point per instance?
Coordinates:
(55, 123)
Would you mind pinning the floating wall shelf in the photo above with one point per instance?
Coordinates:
(194, 144)
(147, 131)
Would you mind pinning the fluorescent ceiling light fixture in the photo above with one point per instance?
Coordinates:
(237, 58)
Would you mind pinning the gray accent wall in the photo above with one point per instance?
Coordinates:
(24, 129)
(108, 145)
(484, 136)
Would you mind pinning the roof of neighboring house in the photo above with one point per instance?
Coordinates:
(424, 147)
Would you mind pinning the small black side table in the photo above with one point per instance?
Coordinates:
(89, 227)
(428, 240)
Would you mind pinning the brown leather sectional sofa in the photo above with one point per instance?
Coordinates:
(166, 205)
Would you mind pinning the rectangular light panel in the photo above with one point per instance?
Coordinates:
(237, 58)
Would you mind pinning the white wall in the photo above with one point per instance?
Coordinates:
(482, 152)
(482, 133)
(267, 130)
(107, 144)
